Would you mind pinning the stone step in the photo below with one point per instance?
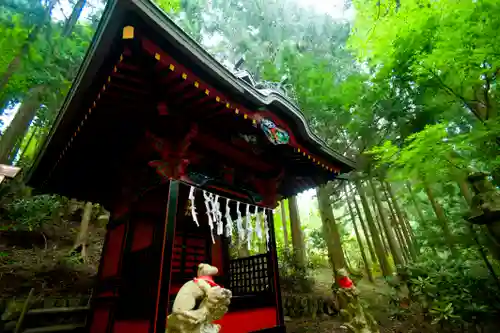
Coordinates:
(62, 310)
(62, 319)
(70, 328)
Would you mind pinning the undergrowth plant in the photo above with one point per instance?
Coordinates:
(294, 278)
(31, 212)
(453, 292)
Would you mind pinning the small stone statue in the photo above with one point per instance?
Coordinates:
(486, 200)
(355, 316)
(344, 288)
(185, 317)
(485, 209)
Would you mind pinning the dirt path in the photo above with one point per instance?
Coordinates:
(318, 325)
(323, 280)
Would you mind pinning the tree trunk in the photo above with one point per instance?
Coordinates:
(73, 18)
(297, 236)
(347, 265)
(28, 143)
(82, 240)
(394, 222)
(27, 111)
(20, 123)
(284, 222)
(465, 190)
(358, 237)
(406, 232)
(405, 243)
(241, 247)
(330, 230)
(32, 36)
(15, 150)
(416, 204)
(482, 252)
(420, 214)
(365, 230)
(243, 250)
(401, 241)
(391, 238)
(382, 259)
(438, 210)
(383, 236)
(262, 245)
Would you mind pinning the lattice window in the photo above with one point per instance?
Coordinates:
(189, 252)
(251, 275)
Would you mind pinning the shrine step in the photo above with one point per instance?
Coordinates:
(59, 319)
(57, 328)
(65, 328)
(65, 310)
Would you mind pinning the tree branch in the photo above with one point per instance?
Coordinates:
(451, 92)
(486, 96)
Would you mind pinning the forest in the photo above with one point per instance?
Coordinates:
(406, 89)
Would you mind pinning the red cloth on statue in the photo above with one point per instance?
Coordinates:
(345, 282)
(208, 279)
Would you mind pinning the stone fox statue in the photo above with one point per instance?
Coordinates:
(196, 289)
(185, 318)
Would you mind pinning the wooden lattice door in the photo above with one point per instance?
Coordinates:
(133, 281)
(190, 249)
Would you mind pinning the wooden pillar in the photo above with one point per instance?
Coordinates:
(280, 320)
(131, 294)
(163, 299)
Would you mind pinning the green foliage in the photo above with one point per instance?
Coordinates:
(441, 152)
(447, 48)
(32, 212)
(453, 291)
(294, 278)
(317, 240)
(426, 154)
(36, 53)
(169, 5)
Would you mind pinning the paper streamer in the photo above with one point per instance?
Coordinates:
(266, 229)
(229, 221)
(193, 208)
(239, 222)
(208, 200)
(258, 227)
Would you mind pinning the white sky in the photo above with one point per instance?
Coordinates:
(7, 116)
(63, 9)
(335, 8)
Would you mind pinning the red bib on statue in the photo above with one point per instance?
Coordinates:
(208, 279)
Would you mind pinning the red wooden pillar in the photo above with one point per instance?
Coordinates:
(280, 320)
(131, 293)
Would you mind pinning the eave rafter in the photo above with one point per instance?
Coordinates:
(186, 88)
(216, 98)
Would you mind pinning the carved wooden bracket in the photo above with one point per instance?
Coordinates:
(175, 157)
(268, 188)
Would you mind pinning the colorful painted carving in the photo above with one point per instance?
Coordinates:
(275, 134)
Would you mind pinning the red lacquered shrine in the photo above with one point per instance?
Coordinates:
(180, 150)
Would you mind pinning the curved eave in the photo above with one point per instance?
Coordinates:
(193, 53)
(273, 101)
